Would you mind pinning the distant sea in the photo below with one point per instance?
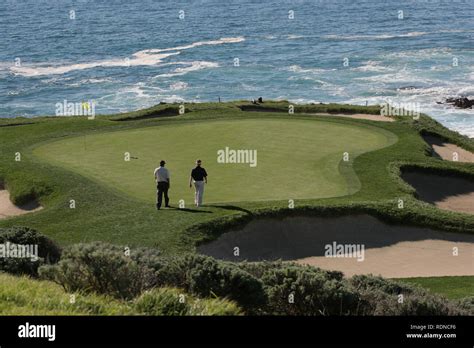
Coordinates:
(125, 55)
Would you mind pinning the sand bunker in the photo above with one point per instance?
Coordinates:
(448, 151)
(369, 117)
(446, 192)
(7, 208)
(389, 250)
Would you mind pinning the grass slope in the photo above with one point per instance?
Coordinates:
(25, 296)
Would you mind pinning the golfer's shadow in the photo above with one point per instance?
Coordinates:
(232, 207)
(194, 210)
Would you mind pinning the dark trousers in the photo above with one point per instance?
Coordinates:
(162, 187)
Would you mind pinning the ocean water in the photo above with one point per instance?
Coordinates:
(125, 55)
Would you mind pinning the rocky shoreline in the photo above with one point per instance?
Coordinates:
(462, 102)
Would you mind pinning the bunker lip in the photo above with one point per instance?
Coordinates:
(389, 250)
(8, 209)
(446, 150)
(446, 192)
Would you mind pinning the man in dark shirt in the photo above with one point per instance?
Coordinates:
(199, 177)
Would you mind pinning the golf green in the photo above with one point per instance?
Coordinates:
(295, 158)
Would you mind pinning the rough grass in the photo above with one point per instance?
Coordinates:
(24, 296)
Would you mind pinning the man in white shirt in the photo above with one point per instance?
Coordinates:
(162, 177)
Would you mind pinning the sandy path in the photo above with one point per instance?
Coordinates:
(7, 208)
(448, 151)
(406, 259)
(369, 117)
(389, 250)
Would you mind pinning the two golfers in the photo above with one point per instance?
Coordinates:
(162, 176)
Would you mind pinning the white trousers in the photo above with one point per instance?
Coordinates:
(199, 186)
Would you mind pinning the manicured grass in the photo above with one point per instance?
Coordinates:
(451, 287)
(296, 158)
(110, 211)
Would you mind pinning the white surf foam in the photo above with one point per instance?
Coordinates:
(178, 86)
(374, 37)
(420, 53)
(372, 66)
(193, 66)
(299, 69)
(140, 58)
(294, 37)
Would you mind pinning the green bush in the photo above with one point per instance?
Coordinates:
(259, 269)
(162, 301)
(467, 304)
(304, 290)
(379, 296)
(371, 282)
(48, 251)
(205, 276)
(274, 288)
(148, 257)
(101, 268)
(376, 302)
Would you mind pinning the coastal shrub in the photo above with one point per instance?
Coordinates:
(376, 302)
(148, 257)
(257, 288)
(101, 268)
(205, 276)
(379, 296)
(467, 304)
(48, 252)
(258, 269)
(426, 305)
(371, 282)
(300, 290)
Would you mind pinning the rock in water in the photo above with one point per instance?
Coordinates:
(463, 102)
